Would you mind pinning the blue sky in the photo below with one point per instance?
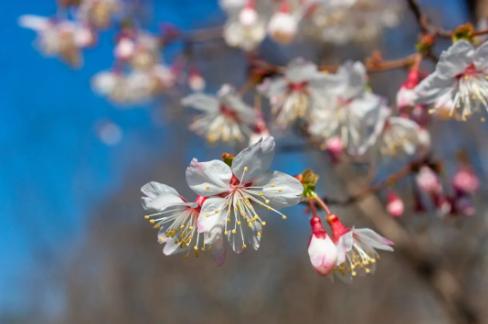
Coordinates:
(53, 168)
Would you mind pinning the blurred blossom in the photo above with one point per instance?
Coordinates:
(395, 205)
(428, 181)
(232, 5)
(459, 85)
(335, 148)
(124, 49)
(98, 13)
(360, 20)
(61, 38)
(293, 95)
(109, 133)
(246, 29)
(196, 82)
(133, 87)
(146, 52)
(224, 118)
(401, 135)
(465, 180)
(283, 25)
(348, 110)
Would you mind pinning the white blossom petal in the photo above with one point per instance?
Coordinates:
(254, 160)
(282, 190)
(160, 196)
(202, 102)
(373, 239)
(211, 218)
(208, 178)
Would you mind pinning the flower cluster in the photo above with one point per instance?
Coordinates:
(339, 111)
(250, 21)
(230, 200)
(458, 87)
(60, 37)
(138, 75)
(347, 252)
(66, 38)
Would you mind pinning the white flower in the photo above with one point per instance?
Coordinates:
(356, 248)
(356, 251)
(226, 118)
(459, 83)
(236, 193)
(321, 250)
(401, 135)
(283, 26)
(340, 22)
(232, 5)
(146, 53)
(428, 181)
(175, 217)
(352, 114)
(124, 49)
(98, 13)
(295, 93)
(61, 38)
(245, 30)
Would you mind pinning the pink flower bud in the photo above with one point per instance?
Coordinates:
(125, 49)
(405, 97)
(283, 25)
(428, 181)
(465, 180)
(195, 81)
(321, 249)
(335, 148)
(248, 15)
(395, 205)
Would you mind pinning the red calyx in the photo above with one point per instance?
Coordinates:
(317, 227)
(297, 86)
(338, 229)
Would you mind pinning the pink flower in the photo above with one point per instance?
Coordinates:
(321, 249)
(428, 181)
(356, 248)
(465, 180)
(395, 205)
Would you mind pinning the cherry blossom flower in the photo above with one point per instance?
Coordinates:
(125, 48)
(294, 94)
(146, 51)
(356, 248)
(235, 193)
(428, 181)
(395, 205)
(283, 25)
(321, 250)
(61, 38)
(135, 86)
(401, 135)
(98, 13)
(465, 180)
(351, 113)
(245, 29)
(175, 217)
(459, 83)
(225, 117)
(339, 22)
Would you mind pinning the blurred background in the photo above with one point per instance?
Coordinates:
(74, 247)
